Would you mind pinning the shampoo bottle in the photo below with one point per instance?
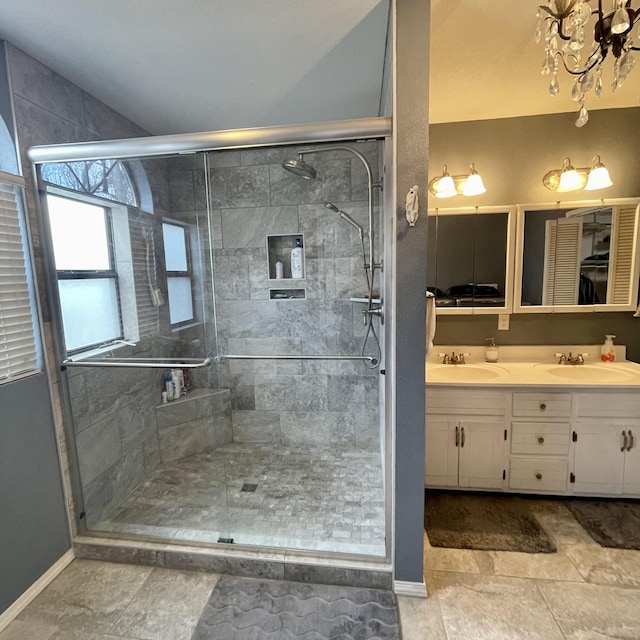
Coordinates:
(170, 387)
(608, 349)
(296, 260)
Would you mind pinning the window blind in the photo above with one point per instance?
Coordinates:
(17, 339)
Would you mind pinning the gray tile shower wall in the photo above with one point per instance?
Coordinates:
(309, 403)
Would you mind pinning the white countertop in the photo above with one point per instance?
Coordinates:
(532, 367)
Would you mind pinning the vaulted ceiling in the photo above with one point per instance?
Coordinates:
(198, 65)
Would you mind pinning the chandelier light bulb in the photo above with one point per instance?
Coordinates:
(620, 22)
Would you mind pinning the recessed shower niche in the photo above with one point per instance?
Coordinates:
(279, 249)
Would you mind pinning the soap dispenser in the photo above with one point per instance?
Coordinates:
(608, 349)
(491, 351)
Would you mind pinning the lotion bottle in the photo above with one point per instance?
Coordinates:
(296, 260)
(608, 349)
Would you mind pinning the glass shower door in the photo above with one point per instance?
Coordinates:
(130, 266)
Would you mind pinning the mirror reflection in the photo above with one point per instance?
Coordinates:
(467, 259)
(578, 256)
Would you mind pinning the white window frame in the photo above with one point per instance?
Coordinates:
(189, 273)
(118, 220)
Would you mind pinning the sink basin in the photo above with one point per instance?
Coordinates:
(590, 373)
(463, 372)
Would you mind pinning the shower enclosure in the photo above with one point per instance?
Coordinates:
(182, 263)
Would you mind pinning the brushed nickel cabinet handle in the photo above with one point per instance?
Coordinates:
(543, 406)
(541, 440)
(457, 436)
(462, 436)
(538, 476)
(630, 441)
(624, 441)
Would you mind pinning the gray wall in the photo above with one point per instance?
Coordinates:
(412, 140)
(34, 532)
(512, 155)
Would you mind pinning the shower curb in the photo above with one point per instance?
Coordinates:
(242, 562)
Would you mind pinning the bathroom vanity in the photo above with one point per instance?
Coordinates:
(531, 425)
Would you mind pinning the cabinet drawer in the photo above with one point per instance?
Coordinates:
(468, 402)
(556, 405)
(544, 438)
(608, 405)
(536, 474)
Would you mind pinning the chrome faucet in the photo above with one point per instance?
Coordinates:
(571, 359)
(453, 358)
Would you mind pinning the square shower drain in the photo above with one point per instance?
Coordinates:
(249, 488)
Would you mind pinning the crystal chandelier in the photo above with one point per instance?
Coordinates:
(562, 24)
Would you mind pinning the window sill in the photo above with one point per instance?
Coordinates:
(97, 351)
(182, 327)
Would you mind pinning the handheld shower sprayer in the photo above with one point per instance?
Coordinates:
(346, 217)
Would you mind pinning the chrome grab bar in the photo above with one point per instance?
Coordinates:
(220, 359)
(141, 363)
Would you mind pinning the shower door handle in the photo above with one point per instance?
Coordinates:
(141, 363)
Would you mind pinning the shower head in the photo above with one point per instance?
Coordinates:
(346, 217)
(300, 168)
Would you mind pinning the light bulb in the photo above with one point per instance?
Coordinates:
(473, 185)
(445, 187)
(570, 179)
(598, 176)
(620, 22)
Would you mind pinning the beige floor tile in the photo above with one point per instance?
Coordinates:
(441, 559)
(21, 630)
(592, 612)
(544, 566)
(600, 565)
(88, 596)
(493, 608)
(167, 607)
(420, 619)
(564, 528)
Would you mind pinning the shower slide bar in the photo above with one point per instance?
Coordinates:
(141, 363)
(220, 359)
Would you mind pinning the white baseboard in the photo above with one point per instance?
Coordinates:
(411, 589)
(35, 589)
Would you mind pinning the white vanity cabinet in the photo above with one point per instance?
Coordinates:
(607, 456)
(465, 439)
(540, 441)
(560, 440)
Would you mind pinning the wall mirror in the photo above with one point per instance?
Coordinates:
(576, 257)
(470, 259)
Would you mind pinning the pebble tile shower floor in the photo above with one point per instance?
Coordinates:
(327, 500)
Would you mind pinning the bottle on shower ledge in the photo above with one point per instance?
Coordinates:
(296, 260)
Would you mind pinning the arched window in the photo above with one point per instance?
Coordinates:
(101, 178)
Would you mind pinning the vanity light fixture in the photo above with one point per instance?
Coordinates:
(447, 186)
(571, 179)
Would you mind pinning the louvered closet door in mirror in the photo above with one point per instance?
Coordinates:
(580, 256)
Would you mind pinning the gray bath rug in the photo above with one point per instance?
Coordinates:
(480, 521)
(247, 609)
(611, 523)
